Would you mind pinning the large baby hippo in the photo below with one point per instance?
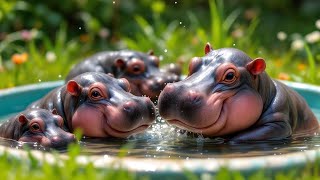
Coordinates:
(37, 125)
(228, 94)
(141, 69)
(99, 105)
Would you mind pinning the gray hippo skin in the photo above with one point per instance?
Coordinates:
(228, 94)
(141, 69)
(37, 125)
(99, 105)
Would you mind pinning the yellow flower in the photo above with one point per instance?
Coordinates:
(19, 58)
(301, 66)
(283, 76)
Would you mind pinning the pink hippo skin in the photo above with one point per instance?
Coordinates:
(37, 125)
(228, 94)
(99, 105)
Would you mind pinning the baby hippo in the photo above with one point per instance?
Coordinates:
(37, 125)
(228, 94)
(141, 69)
(99, 105)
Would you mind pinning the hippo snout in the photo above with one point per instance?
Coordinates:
(62, 141)
(139, 109)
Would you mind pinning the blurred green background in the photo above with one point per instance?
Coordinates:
(41, 40)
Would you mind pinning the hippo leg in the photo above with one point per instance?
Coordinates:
(277, 127)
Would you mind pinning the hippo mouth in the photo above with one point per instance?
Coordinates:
(209, 129)
(114, 132)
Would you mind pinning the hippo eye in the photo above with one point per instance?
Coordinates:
(230, 76)
(35, 127)
(96, 94)
(136, 67)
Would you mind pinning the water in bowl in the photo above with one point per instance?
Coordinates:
(164, 141)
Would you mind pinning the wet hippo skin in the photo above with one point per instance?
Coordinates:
(99, 105)
(228, 94)
(37, 125)
(141, 69)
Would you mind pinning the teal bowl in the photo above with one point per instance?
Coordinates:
(16, 99)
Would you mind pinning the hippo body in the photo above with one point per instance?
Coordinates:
(37, 125)
(141, 69)
(99, 105)
(228, 94)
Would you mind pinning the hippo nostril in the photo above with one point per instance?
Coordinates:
(129, 106)
(55, 139)
(194, 98)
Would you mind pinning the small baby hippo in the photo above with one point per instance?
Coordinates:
(141, 69)
(100, 105)
(37, 125)
(229, 94)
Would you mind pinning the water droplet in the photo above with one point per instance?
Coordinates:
(165, 50)
(180, 22)
(233, 44)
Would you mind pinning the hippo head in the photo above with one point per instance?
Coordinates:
(218, 97)
(43, 127)
(101, 106)
(142, 71)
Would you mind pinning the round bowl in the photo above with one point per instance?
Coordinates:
(16, 99)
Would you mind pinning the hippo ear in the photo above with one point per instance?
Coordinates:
(54, 111)
(208, 48)
(73, 88)
(194, 65)
(22, 119)
(120, 63)
(150, 52)
(257, 66)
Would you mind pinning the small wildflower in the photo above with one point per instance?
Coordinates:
(301, 66)
(19, 58)
(51, 56)
(318, 23)
(283, 76)
(237, 33)
(84, 38)
(1, 69)
(278, 63)
(282, 36)
(104, 33)
(195, 41)
(250, 14)
(27, 35)
(313, 37)
(297, 44)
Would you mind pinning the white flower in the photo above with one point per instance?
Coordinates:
(51, 56)
(318, 23)
(297, 44)
(313, 37)
(281, 36)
